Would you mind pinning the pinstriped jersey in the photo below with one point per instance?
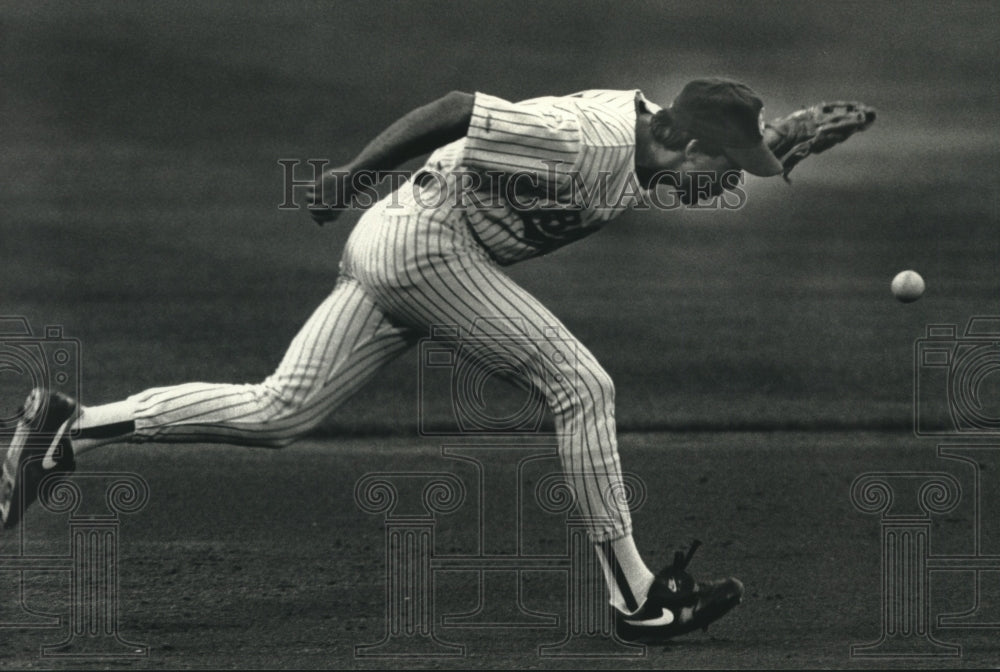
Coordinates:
(535, 175)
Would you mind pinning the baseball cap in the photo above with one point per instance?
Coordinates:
(729, 114)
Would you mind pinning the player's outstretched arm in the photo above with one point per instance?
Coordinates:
(418, 132)
(815, 129)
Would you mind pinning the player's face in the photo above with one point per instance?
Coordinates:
(703, 176)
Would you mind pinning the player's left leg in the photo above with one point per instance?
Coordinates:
(346, 340)
(338, 350)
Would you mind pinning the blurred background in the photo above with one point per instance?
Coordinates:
(140, 191)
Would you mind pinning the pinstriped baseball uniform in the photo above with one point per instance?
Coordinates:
(422, 257)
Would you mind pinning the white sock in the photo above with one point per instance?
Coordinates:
(100, 425)
(628, 589)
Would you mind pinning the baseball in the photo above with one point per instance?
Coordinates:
(907, 286)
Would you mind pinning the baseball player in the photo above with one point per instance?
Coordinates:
(504, 182)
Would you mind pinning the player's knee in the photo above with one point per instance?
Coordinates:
(592, 389)
(279, 420)
(276, 432)
(602, 387)
(281, 395)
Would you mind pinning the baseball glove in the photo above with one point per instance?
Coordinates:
(815, 129)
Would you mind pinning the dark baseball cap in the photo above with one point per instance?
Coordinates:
(728, 114)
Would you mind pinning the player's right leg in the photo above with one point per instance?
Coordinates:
(439, 276)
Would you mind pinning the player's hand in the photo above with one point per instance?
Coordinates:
(329, 195)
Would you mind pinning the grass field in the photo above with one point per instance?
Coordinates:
(760, 361)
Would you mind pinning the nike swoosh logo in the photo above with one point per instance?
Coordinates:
(48, 462)
(666, 618)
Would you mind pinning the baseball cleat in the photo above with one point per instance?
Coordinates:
(39, 447)
(677, 604)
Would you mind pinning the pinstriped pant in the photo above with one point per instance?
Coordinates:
(401, 274)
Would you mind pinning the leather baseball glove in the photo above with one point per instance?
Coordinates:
(815, 129)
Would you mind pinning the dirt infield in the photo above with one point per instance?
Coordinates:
(265, 559)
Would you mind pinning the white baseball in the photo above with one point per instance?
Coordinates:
(908, 286)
